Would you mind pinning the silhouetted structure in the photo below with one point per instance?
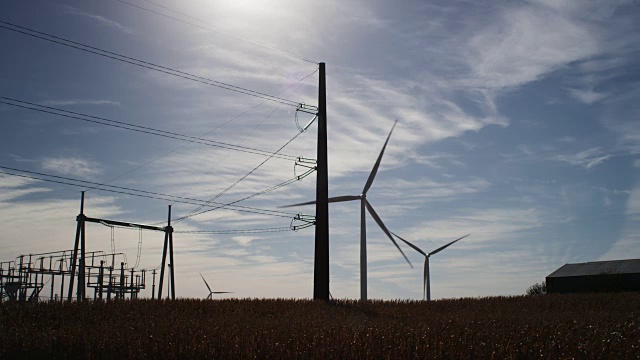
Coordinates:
(364, 206)
(321, 256)
(598, 276)
(136, 281)
(426, 290)
(35, 277)
(211, 292)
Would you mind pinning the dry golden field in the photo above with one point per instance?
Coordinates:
(597, 326)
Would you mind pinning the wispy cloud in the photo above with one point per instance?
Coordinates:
(55, 226)
(489, 224)
(589, 158)
(18, 158)
(567, 139)
(522, 45)
(71, 166)
(424, 189)
(74, 102)
(244, 240)
(627, 244)
(12, 187)
(616, 117)
(100, 19)
(587, 96)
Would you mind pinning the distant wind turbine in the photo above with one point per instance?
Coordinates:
(363, 227)
(426, 291)
(213, 292)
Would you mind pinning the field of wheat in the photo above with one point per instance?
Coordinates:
(550, 326)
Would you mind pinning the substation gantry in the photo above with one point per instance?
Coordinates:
(23, 279)
(136, 283)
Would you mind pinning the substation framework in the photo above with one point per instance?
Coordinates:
(23, 279)
(79, 260)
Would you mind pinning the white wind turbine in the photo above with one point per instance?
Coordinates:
(426, 291)
(213, 292)
(363, 227)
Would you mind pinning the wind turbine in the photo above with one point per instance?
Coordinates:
(426, 291)
(364, 204)
(213, 292)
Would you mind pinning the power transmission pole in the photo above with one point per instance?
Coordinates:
(168, 245)
(79, 243)
(321, 259)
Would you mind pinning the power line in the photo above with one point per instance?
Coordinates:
(233, 36)
(145, 64)
(208, 132)
(141, 129)
(275, 154)
(224, 157)
(239, 231)
(205, 134)
(228, 231)
(197, 211)
(239, 180)
(142, 193)
(275, 187)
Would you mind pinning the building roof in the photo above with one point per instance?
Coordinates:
(631, 266)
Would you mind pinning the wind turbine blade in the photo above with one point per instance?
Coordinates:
(205, 282)
(209, 297)
(331, 200)
(223, 292)
(298, 204)
(386, 231)
(410, 244)
(374, 171)
(336, 199)
(449, 244)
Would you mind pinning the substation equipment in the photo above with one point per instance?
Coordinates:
(24, 278)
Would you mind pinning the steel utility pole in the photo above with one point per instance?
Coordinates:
(79, 243)
(321, 259)
(168, 245)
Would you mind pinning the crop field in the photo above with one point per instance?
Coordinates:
(596, 326)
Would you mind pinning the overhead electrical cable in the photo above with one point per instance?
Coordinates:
(138, 128)
(208, 132)
(227, 231)
(140, 193)
(275, 187)
(138, 167)
(225, 156)
(225, 33)
(141, 63)
(196, 210)
(238, 231)
(296, 84)
(191, 202)
(239, 180)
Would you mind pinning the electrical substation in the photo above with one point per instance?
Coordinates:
(67, 274)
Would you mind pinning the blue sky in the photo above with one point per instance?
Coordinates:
(518, 123)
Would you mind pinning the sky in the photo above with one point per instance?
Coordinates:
(518, 123)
